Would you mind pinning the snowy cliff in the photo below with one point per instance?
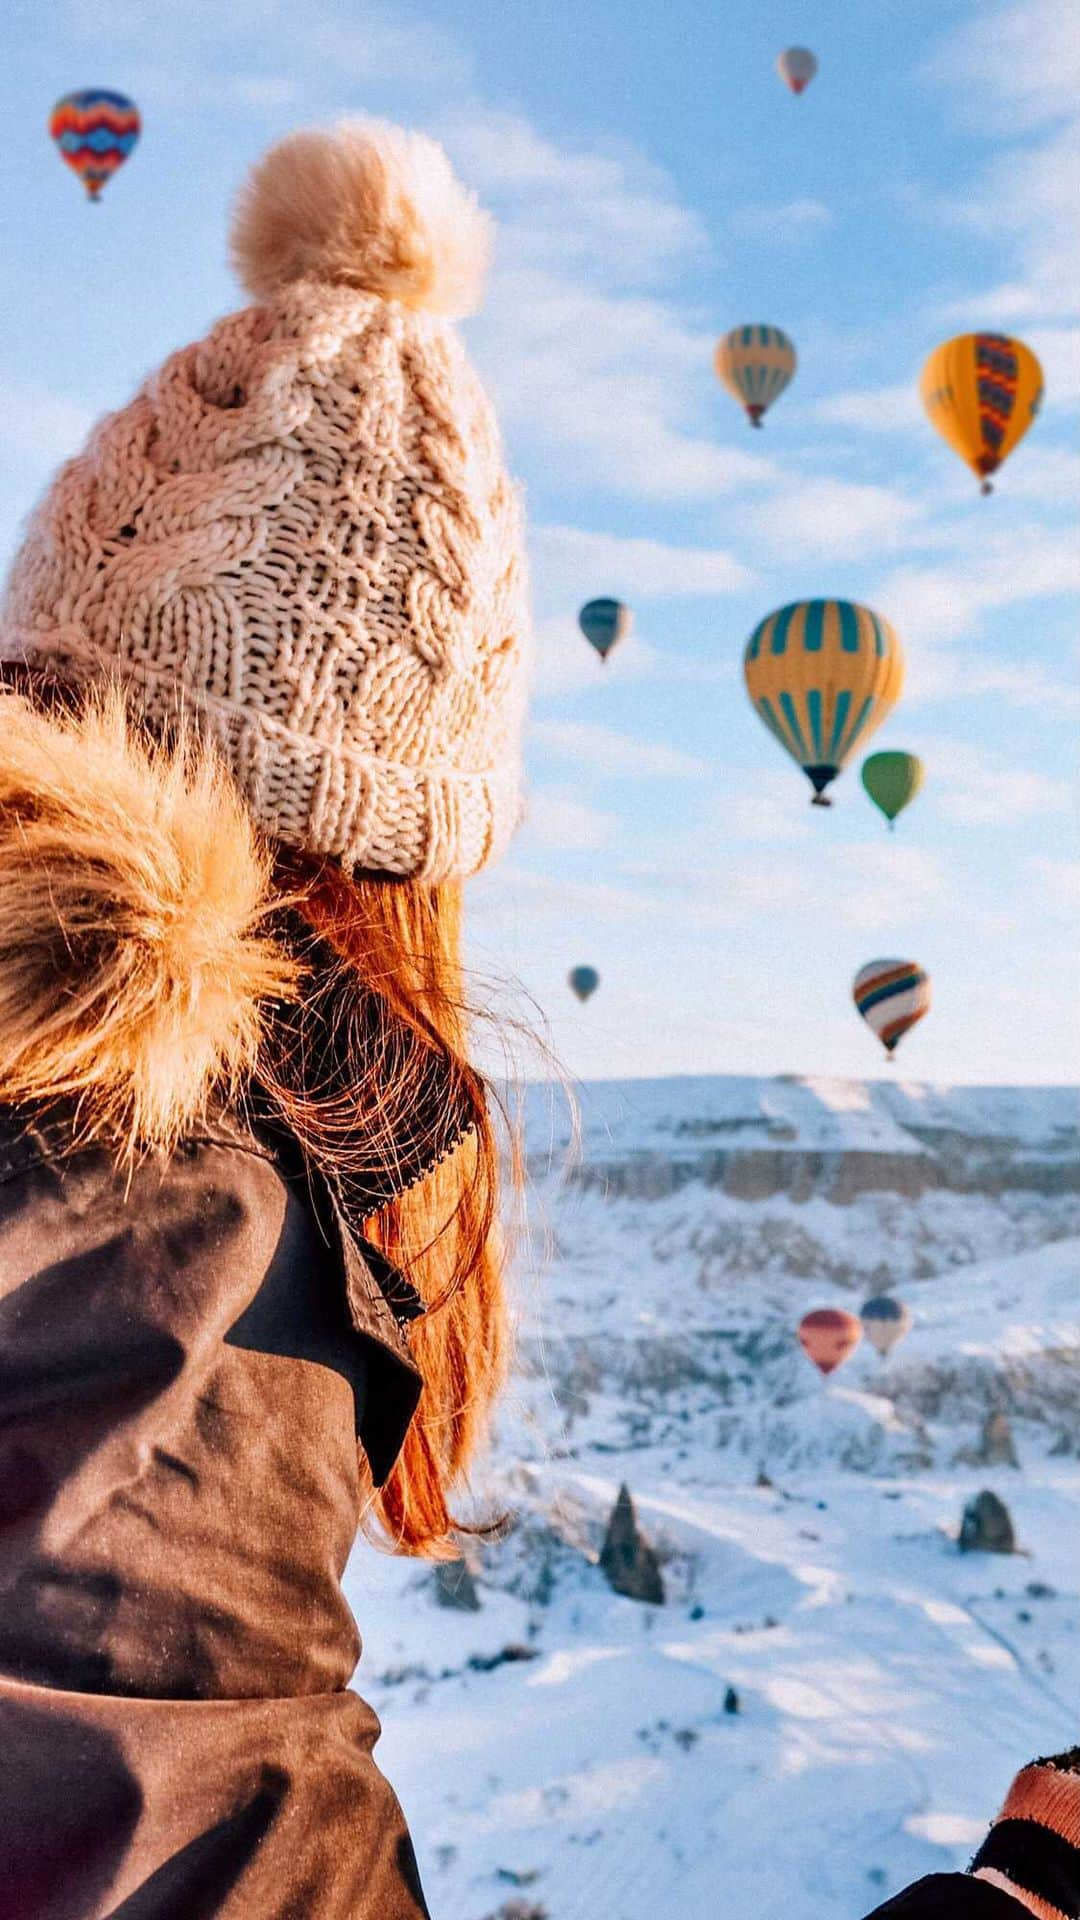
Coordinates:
(566, 1752)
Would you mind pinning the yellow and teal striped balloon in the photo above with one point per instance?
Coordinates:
(822, 674)
(755, 364)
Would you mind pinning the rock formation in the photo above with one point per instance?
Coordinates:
(987, 1525)
(626, 1558)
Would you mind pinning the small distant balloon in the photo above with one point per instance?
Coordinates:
(828, 1336)
(584, 982)
(604, 623)
(95, 131)
(982, 391)
(891, 995)
(892, 780)
(821, 675)
(885, 1320)
(797, 67)
(755, 364)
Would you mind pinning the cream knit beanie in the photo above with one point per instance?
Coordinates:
(301, 530)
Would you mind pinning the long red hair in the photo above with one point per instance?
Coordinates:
(399, 943)
(131, 867)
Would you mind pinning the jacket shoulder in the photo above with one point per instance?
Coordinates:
(29, 1137)
(379, 1301)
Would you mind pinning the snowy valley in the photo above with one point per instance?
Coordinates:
(832, 1697)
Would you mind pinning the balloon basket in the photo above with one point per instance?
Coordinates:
(987, 487)
(821, 800)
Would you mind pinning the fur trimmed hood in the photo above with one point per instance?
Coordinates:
(134, 956)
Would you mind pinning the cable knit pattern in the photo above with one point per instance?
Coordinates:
(301, 531)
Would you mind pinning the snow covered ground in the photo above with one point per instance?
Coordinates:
(568, 1753)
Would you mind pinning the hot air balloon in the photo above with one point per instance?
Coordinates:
(885, 1320)
(95, 131)
(982, 392)
(891, 995)
(797, 67)
(604, 623)
(583, 981)
(828, 1336)
(755, 364)
(892, 780)
(822, 675)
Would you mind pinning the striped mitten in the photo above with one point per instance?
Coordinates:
(1032, 1851)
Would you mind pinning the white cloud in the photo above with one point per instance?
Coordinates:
(834, 517)
(613, 385)
(935, 604)
(277, 52)
(512, 897)
(887, 885)
(1051, 474)
(609, 212)
(1058, 349)
(593, 365)
(894, 409)
(603, 750)
(563, 661)
(1057, 881)
(40, 423)
(1012, 68)
(978, 789)
(1016, 71)
(572, 564)
(561, 823)
(794, 220)
(765, 810)
(729, 893)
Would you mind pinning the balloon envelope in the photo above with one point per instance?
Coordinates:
(885, 1320)
(892, 780)
(755, 364)
(982, 392)
(604, 623)
(95, 131)
(797, 67)
(583, 981)
(822, 674)
(891, 995)
(829, 1336)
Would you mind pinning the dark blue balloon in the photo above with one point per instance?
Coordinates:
(604, 623)
(583, 981)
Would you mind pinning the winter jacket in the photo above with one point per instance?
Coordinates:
(1029, 1862)
(191, 1349)
(185, 1365)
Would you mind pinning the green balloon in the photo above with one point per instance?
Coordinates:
(892, 780)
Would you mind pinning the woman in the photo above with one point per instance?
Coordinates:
(1029, 1862)
(265, 648)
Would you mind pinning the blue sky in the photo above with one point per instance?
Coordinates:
(655, 185)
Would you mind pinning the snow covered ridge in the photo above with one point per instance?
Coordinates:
(701, 1218)
(840, 1138)
(569, 1753)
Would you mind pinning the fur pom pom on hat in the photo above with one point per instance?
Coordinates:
(300, 531)
(370, 207)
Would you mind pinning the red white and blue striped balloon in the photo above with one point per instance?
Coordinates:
(891, 995)
(95, 131)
